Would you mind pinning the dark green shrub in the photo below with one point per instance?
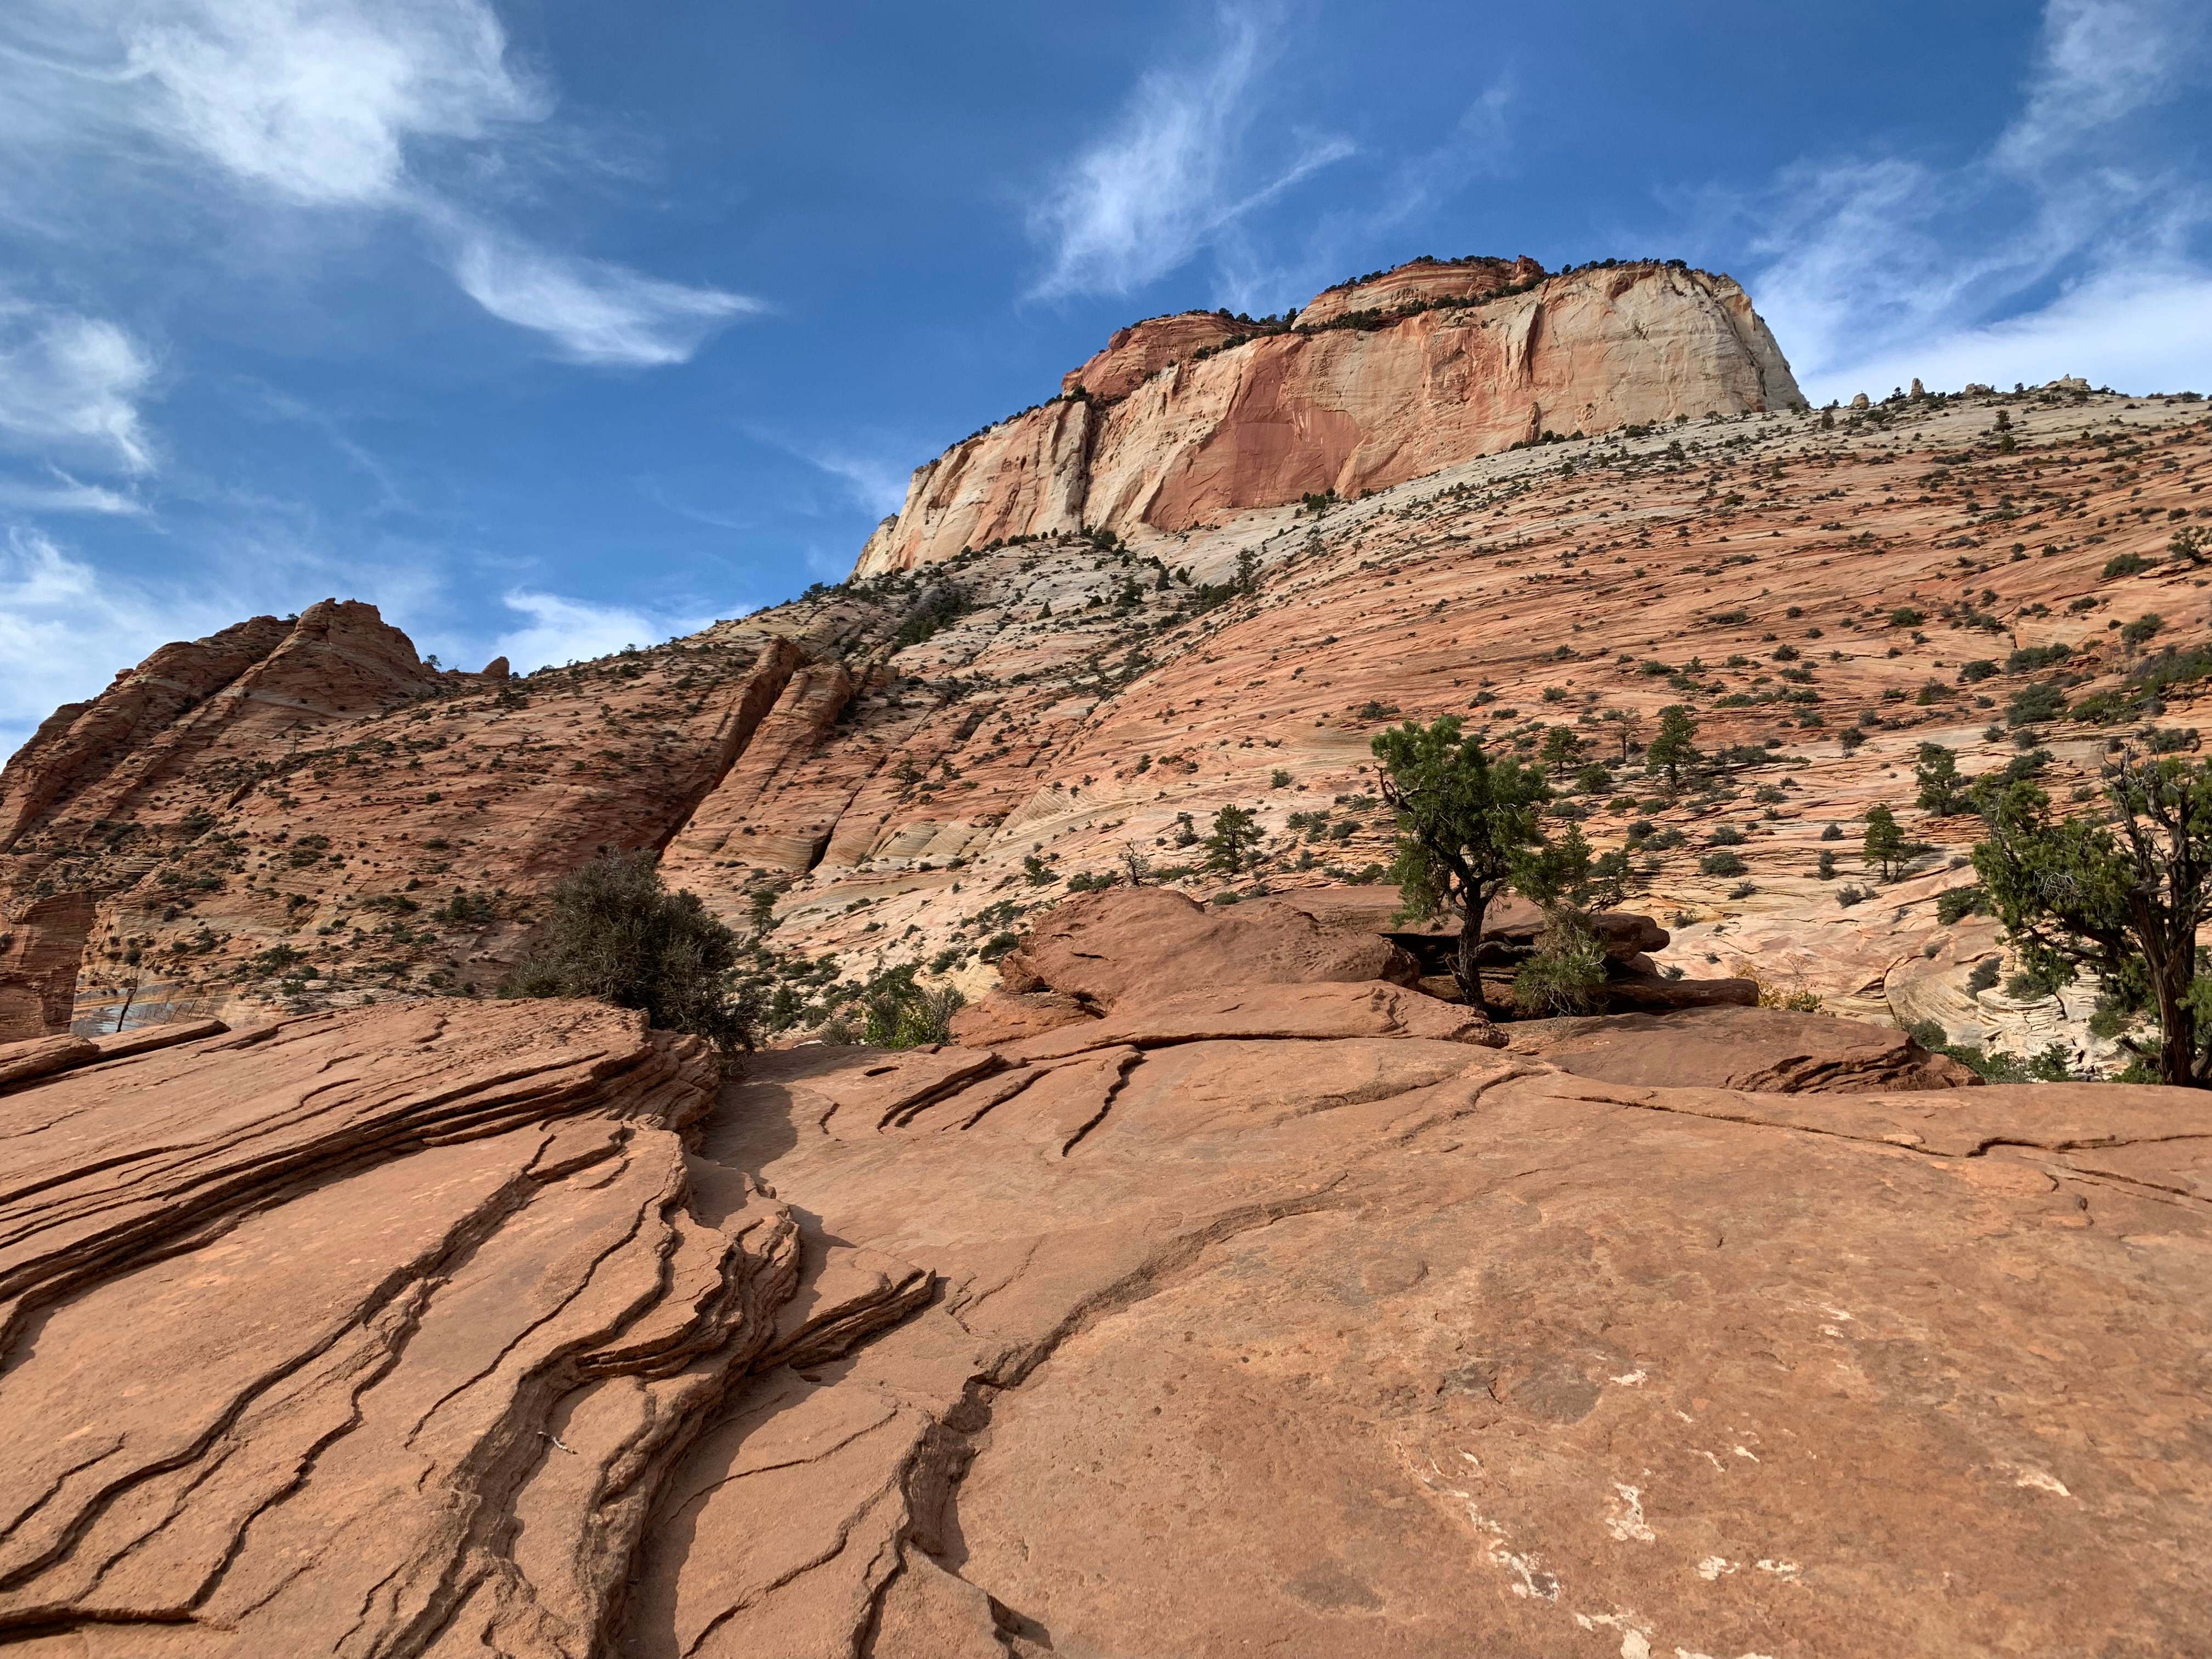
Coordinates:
(616, 935)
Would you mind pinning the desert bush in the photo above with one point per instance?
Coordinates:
(615, 934)
(1567, 974)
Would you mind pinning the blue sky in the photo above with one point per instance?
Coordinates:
(550, 326)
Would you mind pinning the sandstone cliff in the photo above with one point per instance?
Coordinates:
(1379, 382)
(911, 765)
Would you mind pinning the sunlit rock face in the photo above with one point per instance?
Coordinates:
(1182, 419)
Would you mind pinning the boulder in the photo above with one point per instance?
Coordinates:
(1009, 1015)
(1773, 1050)
(1150, 942)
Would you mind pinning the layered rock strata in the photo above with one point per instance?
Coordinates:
(472, 1327)
(1022, 720)
(1183, 420)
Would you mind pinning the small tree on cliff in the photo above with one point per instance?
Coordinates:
(2122, 899)
(1675, 750)
(1236, 837)
(1943, 791)
(617, 935)
(1885, 846)
(1465, 823)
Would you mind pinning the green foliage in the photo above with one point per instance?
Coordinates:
(2035, 704)
(1723, 863)
(2125, 564)
(1561, 750)
(1941, 788)
(2030, 658)
(1884, 846)
(2122, 900)
(466, 909)
(616, 935)
(1465, 823)
(2137, 634)
(1906, 617)
(1959, 903)
(1981, 669)
(892, 1011)
(1234, 837)
(1674, 750)
(1567, 976)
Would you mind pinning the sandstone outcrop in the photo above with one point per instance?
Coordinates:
(1164, 440)
(1012, 724)
(1422, 282)
(459, 1326)
(360, 1333)
(1102, 948)
(1765, 1050)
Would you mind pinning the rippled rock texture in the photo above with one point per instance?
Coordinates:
(463, 1328)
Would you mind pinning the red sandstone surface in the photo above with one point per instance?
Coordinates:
(452, 1328)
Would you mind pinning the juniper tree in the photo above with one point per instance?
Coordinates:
(2121, 899)
(617, 935)
(1234, 838)
(1941, 788)
(1466, 823)
(1674, 751)
(1884, 846)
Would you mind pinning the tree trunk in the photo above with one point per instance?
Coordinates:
(2177, 1031)
(1464, 970)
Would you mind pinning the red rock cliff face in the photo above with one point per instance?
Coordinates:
(1468, 368)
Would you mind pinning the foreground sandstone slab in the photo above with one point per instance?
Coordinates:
(1212, 1327)
(1396, 1345)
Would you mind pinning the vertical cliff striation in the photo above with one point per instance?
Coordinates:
(1182, 419)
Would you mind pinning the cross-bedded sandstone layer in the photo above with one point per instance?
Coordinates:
(915, 763)
(1287, 1314)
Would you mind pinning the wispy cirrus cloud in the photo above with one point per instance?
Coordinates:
(72, 385)
(593, 313)
(357, 107)
(2054, 246)
(1174, 173)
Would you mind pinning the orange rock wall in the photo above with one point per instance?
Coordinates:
(1289, 415)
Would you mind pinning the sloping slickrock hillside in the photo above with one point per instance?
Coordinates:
(455, 1328)
(911, 766)
(1183, 419)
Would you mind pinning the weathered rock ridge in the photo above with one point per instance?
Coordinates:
(1449, 362)
(914, 767)
(462, 1328)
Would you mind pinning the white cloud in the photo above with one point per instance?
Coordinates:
(366, 106)
(2101, 61)
(66, 628)
(562, 630)
(1170, 177)
(593, 313)
(71, 384)
(1884, 269)
(318, 101)
(66, 494)
(2140, 332)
